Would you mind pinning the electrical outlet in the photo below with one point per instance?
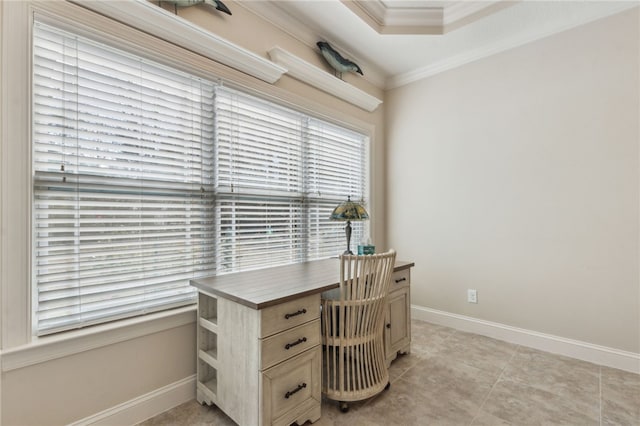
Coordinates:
(472, 296)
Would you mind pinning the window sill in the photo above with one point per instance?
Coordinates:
(48, 348)
(314, 76)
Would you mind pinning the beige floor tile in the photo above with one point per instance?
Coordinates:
(574, 381)
(486, 419)
(620, 397)
(356, 416)
(191, 413)
(442, 379)
(482, 352)
(404, 404)
(428, 338)
(520, 404)
(402, 364)
(537, 361)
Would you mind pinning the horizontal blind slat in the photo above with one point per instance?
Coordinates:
(123, 168)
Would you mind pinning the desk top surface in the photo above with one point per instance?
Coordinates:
(261, 288)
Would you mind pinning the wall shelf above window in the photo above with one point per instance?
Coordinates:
(310, 74)
(154, 20)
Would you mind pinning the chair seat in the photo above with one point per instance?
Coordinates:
(349, 341)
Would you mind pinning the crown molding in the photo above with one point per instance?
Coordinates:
(450, 63)
(492, 49)
(314, 76)
(425, 19)
(395, 16)
(460, 10)
(154, 20)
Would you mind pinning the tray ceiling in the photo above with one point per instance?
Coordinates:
(396, 42)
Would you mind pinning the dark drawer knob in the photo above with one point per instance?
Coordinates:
(388, 325)
(399, 280)
(300, 312)
(297, 389)
(297, 342)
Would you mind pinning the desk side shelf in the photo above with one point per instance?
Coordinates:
(207, 380)
(207, 384)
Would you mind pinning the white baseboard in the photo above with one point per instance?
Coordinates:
(145, 406)
(602, 355)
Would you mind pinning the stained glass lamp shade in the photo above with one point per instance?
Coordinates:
(349, 211)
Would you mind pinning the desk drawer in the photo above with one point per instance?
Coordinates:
(281, 346)
(292, 386)
(289, 314)
(400, 279)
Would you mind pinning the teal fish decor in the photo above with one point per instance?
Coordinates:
(336, 60)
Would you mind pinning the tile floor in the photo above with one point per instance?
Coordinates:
(457, 378)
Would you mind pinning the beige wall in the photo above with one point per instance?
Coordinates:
(70, 388)
(517, 175)
(67, 389)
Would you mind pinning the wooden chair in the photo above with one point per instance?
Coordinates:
(354, 366)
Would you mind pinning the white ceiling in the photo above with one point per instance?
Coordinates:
(468, 30)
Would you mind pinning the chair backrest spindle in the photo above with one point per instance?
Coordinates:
(353, 326)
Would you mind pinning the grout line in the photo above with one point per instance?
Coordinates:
(429, 354)
(403, 373)
(600, 392)
(484, 401)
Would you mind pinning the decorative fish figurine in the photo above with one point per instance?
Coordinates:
(336, 60)
(186, 3)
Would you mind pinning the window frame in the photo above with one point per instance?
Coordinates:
(122, 152)
(20, 346)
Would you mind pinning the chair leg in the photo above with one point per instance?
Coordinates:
(344, 407)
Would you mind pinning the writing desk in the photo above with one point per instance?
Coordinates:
(259, 343)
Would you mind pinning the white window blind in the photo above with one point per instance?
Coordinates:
(279, 174)
(336, 166)
(146, 177)
(123, 177)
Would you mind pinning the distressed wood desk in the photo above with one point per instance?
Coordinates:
(259, 344)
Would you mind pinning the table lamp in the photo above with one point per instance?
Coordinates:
(349, 211)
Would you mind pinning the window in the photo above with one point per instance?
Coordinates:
(123, 171)
(145, 177)
(336, 166)
(279, 174)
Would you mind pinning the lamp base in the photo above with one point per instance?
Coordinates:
(347, 231)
